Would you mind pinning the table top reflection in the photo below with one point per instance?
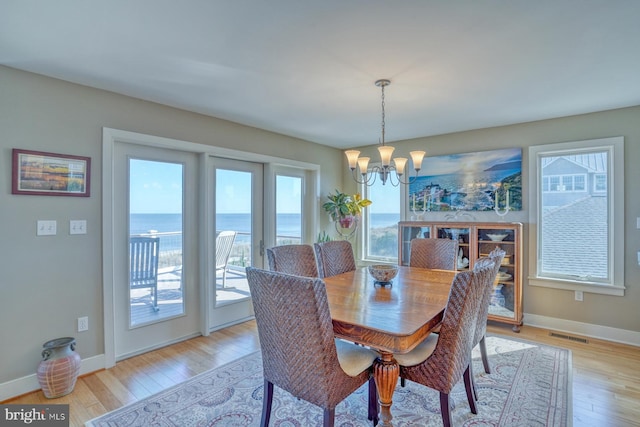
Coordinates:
(393, 318)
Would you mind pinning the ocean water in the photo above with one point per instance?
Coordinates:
(287, 224)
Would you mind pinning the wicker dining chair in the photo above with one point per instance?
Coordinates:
(300, 353)
(495, 258)
(441, 360)
(334, 257)
(299, 260)
(434, 253)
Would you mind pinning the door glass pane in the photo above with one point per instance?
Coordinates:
(288, 210)
(233, 214)
(155, 241)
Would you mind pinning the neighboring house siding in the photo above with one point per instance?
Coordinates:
(588, 165)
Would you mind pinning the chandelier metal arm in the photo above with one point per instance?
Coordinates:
(384, 173)
(367, 178)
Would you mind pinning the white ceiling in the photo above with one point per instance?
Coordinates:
(307, 68)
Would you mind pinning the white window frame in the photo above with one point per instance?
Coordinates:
(615, 187)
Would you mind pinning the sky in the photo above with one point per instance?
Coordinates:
(156, 187)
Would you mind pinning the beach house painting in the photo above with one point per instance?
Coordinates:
(477, 181)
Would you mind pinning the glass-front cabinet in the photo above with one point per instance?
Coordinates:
(476, 240)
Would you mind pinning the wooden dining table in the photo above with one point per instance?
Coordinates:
(391, 319)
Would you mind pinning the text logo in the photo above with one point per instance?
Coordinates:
(34, 415)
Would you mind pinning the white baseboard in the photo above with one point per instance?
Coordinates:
(586, 329)
(29, 383)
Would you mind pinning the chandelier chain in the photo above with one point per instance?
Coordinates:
(382, 86)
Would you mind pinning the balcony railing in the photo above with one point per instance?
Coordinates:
(171, 248)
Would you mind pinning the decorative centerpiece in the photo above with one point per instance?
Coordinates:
(383, 274)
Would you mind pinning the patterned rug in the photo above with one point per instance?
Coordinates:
(530, 385)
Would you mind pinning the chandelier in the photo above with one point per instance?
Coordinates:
(384, 171)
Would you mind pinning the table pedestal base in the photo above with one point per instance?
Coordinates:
(385, 373)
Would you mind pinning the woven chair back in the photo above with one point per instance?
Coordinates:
(494, 260)
(434, 253)
(450, 358)
(334, 257)
(299, 260)
(296, 337)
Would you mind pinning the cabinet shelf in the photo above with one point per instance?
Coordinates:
(473, 241)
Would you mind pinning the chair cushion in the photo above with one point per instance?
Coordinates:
(418, 354)
(353, 358)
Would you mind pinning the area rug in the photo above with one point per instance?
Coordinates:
(529, 385)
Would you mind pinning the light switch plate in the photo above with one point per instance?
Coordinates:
(78, 226)
(47, 228)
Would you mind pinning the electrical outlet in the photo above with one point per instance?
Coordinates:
(83, 324)
(579, 296)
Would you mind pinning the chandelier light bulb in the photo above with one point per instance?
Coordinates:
(417, 157)
(352, 158)
(400, 163)
(363, 164)
(385, 155)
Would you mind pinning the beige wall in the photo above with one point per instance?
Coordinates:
(610, 311)
(46, 283)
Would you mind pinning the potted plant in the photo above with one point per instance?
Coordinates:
(343, 207)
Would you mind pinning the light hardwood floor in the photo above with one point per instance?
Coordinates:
(606, 376)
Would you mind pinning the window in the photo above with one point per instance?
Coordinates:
(381, 222)
(288, 210)
(572, 233)
(563, 182)
(156, 229)
(600, 182)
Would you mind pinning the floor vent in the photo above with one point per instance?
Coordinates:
(569, 337)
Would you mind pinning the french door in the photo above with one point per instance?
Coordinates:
(237, 207)
(181, 196)
(155, 294)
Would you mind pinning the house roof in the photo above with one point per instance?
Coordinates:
(592, 162)
(307, 68)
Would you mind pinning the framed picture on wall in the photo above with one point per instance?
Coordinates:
(479, 181)
(50, 174)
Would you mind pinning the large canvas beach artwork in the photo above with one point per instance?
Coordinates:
(478, 181)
